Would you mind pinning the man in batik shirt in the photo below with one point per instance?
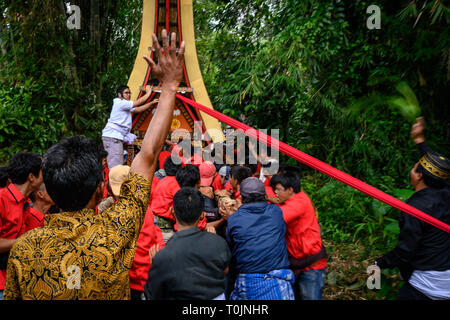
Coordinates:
(80, 254)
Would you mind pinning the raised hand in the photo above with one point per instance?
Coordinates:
(417, 130)
(169, 68)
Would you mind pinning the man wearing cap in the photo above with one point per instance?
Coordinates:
(255, 233)
(423, 251)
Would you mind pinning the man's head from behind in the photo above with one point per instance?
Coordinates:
(4, 177)
(238, 174)
(188, 176)
(123, 92)
(26, 167)
(72, 171)
(252, 190)
(188, 206)
(170, 166)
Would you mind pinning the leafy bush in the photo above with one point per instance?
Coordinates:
(25, 123)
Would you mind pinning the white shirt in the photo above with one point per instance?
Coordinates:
(434, 284)
(120, 116)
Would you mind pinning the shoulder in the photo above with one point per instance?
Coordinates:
(213, 238)
(135, 182)
(27, 243)
(122, 103)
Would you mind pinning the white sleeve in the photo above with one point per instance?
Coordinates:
(126, 105)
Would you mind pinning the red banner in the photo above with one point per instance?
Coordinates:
(320, 166)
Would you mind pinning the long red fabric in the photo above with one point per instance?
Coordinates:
(320, 166)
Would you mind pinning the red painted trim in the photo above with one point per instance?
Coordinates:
(167, 16)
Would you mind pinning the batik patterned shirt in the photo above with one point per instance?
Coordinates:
(81, 254)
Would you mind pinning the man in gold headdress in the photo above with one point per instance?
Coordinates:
(423, 251)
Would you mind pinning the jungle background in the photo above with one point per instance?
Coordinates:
(338, 91)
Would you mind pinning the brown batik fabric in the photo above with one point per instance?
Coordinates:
(81, 254)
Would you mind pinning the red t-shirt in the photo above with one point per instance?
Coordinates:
(217, 185)
(163, 155)
(106, 179)
(12, 210)
(162, 198)
(269, 192)
(236, 193)
(149, 236)
(302, 229)
(32, 219)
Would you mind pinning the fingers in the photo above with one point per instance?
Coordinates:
(181, 51)
(156, 47)
(150, 62)
(165, 40)
(173, 44)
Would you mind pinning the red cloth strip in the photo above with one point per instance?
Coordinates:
(321, 166)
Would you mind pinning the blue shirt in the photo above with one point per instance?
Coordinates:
(255, 233)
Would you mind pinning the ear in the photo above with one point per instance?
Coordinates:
(172, 212)
(40, 194)
(31, 177)
(419, 175)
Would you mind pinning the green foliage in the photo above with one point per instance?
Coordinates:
(20, 110)
(66, 77)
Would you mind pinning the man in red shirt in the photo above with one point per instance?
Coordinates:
(238, 174)
(162, 199)
(307, 254)
(24, 170)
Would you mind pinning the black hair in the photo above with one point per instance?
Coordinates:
(22, 164)
(253, 198)
(121, 89)
(103, 153)
(430, 180)
(287, 180)
(240, 173)
(188, 176)
(252, 166)
(170, 167)
(291, 170)
(72, 170)
(188, 205)
(3, 176)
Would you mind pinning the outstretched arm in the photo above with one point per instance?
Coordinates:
(145, 106)
(170, 72)
(144, 98)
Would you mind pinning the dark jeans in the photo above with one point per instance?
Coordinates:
(309, 285)
(408, 292)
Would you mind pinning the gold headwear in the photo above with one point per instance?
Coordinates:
(436, 164)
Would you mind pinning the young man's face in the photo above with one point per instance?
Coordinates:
(283, 194)
(126, 94)
(234, 182)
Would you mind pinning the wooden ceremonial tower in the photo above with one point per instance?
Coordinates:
(174, 16)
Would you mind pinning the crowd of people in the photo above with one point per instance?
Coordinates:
(79, 224)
